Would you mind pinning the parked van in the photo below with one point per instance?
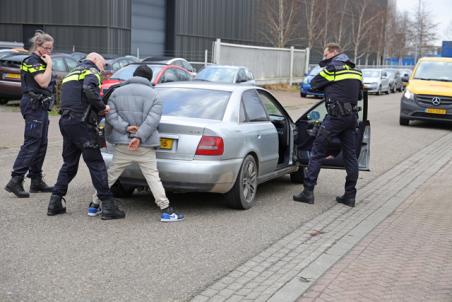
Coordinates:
(428, 95)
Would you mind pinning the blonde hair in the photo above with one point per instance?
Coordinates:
(333, 47)
(39, 39)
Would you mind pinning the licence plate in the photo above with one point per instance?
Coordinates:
(436, 111)
(166, 143)
(12, 76)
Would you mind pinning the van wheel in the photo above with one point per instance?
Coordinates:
(404, 121)
(243, 193)
(298, 177)
(303, 95)
(120, 190)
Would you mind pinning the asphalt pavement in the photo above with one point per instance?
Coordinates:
(76, 258)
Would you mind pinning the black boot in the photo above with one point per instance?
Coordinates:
(347, 199)
(307, 196)
(57, 205)
(15, 185)
(38, 185)
(110, 210)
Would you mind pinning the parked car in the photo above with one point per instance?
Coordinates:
(10, 83)
(160, 74)
(305, 86)
(231, 138)
(172, 61)
(78, 55)
(428, 95)
(114, 64)
(12, 51)
(226, 74)
(376, 80)
(395, 80)
(405, 75)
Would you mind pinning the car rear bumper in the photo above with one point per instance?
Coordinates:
(9, 89)
(306, 89)
(186, 175)
(411, 110)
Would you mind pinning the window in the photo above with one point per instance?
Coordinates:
(71, 64)
(58, 64)
(194, 103)
(269, 104)
(182, 75)
(254, 109)
(169, 76)
(241, 76)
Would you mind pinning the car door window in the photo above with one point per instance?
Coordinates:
(241, 76)
(182, 75)
(58, 64)
(169, 76)
(254, 110)
(71, 63)
(187, 66)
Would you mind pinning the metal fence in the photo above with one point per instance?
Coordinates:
(269, 65)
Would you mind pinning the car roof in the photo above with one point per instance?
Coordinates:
(208, 85)
(435, 59)
(225, 66)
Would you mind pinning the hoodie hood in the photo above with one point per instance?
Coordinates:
(342, 57)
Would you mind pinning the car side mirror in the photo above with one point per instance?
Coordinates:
(313, 116)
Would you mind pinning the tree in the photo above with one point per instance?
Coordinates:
(280, 21)
(424, 30)
(315, 27)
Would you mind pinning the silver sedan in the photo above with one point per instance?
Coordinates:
(225, 139)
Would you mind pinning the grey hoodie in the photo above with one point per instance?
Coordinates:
(134, 103)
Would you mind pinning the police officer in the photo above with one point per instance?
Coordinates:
(38, 87)
(80, 107)
(342, 86)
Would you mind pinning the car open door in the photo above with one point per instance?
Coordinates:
(306, 125)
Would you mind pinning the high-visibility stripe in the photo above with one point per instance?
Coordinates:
(342, 75)
(30, 69)
(80, 75)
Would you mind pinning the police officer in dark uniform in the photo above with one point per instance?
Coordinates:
(80, 107)
(38, 87)
(342, 85)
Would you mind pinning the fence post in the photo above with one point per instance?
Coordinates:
(306, 67)
(291, 65)
(206, 54)
(138, 52)
(217, 51)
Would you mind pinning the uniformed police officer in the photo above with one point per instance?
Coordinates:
(342, 86)
(80, 107)
(38, 87)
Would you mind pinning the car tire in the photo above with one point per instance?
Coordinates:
(378, 91)
(120, 190)
(303, 95)
(243, 193)
(3, 101)
(404, 121)
(298, 176)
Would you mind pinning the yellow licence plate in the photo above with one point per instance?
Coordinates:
(166, 143)
(14, 76)
(436, 111)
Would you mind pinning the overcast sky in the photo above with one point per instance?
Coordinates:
(440, 10)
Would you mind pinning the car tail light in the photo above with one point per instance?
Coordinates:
(210, 145)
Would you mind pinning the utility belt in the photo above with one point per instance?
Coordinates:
(87, 117)
(338, 109)
(40, 100)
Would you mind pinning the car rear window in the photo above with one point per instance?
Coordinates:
(213, 74)
(194, 103)
(126, 72)
(434, 71)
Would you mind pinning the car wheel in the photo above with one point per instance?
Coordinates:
(3, 101)
(298, 177)
(404, 121)
(120, 190)
(393, 89)
(378, 91)
(243, 193)
(303, 95)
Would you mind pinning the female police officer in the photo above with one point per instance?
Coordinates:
(37, 89)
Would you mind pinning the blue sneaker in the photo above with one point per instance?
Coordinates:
(169, 215)
(94, 210)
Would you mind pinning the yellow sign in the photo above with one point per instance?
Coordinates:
(436, 111)
(13, 76)
(166, 143)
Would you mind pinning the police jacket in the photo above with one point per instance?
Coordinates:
(30, 67)
(339, 80)
(81, 88)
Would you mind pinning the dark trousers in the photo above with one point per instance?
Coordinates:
(81, 139)
(345, 129)
(33, 151)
